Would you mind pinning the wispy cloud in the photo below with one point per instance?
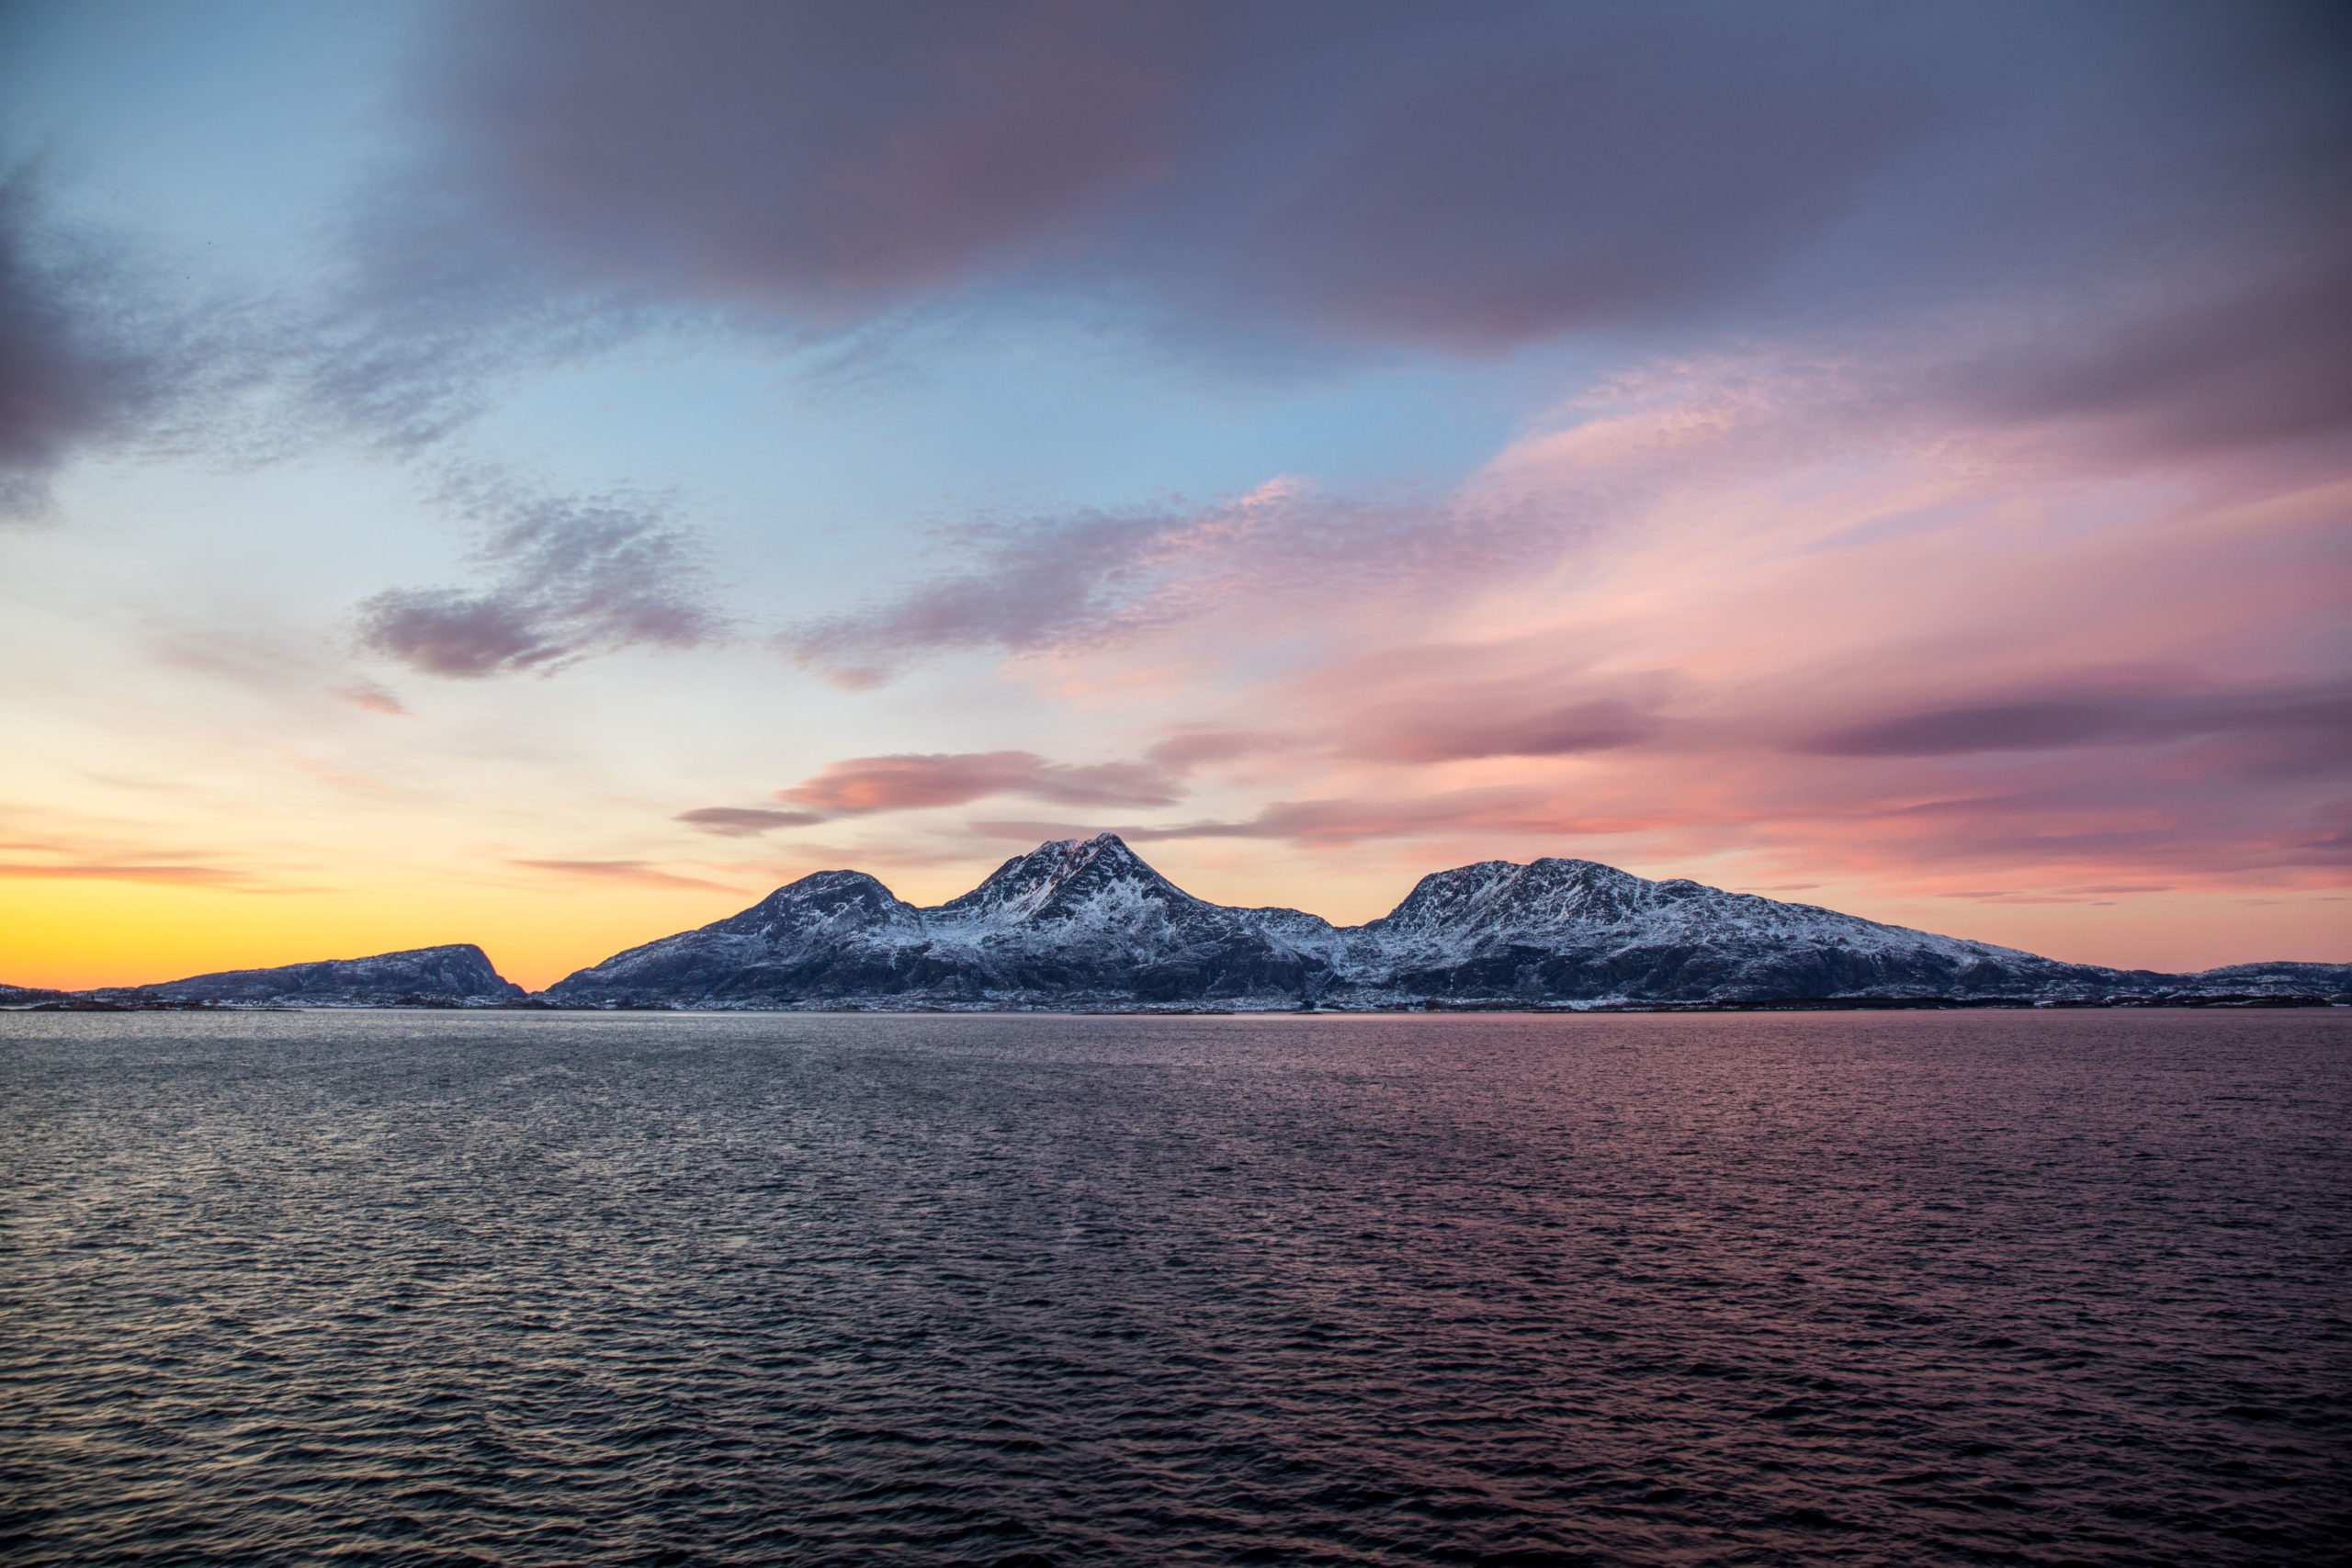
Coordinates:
(178, 875)
(369, 697)
(96, 349)
(1466, 728)
(1092, 579)
(918, 782)
(632, 873)
(1529, 810)
(570, 576)
(745, 822)
(2275, 725)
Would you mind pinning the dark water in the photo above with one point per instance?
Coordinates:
(1911, 1289)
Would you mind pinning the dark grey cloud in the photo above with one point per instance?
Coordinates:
(53, 389)
(2285, 727)
(2157, 192)
(570, 578)
(1384, 174)
(1591, 171)
(2268, 360)
(831, 157)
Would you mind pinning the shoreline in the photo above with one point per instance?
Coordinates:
(1776, 1004)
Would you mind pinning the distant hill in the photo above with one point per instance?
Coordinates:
(455, 975)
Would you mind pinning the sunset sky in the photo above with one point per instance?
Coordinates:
(544, 474)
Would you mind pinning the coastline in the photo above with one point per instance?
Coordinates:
(1777, 1004)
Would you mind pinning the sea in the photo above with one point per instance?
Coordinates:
(516, 1288)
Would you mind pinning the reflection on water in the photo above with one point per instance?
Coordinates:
(555, 1289)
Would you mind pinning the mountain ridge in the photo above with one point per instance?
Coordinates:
(1087, 924)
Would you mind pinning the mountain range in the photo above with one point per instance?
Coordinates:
(1085, 924)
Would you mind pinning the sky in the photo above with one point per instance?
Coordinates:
(544, 474)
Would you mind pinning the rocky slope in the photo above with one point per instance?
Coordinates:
(1086, 923)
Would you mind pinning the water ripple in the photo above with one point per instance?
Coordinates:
(1925, 1288)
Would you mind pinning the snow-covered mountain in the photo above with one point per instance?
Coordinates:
(1086, 923)
(1076, 923)
(459, 973)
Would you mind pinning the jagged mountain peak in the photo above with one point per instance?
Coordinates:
(1058, 878)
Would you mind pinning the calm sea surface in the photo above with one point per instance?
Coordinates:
(1915, 1289)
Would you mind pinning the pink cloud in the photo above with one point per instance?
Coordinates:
(914, 783)
(1439, 704)
(370, 697)
(1338, 823)
(744, 822)
(1805, 637)
(165, 876)
(1194, 746)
